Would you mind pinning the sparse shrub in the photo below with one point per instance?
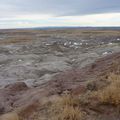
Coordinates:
(67, 108)
(111, 94)
(114, 78)
(68, 100)
(70, 113)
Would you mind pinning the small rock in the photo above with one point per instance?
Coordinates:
(110, 43)
(20, 60)
(58, 53)
(91, 86)
(19, 86)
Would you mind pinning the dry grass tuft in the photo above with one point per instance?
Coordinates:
(70, 113)
(114, 78)
(16, 40)
(68, 100)
(67, 108)
(111, 94)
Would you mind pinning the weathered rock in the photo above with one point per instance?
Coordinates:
(16, 87)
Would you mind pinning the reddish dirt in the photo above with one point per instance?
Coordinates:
(19, 96)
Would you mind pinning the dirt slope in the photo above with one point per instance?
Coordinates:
(26, 100)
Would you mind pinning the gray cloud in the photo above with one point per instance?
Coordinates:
(11, 8)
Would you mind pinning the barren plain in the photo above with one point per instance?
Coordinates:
(60, 74)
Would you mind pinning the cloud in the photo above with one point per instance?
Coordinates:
(44, 12)
(106, 19)
(58, 7)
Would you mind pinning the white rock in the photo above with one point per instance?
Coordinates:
(20, 60)
(65, 44)
(110, 43)
(47, 44)
(81, 43)
(76, 43)
(105, 53)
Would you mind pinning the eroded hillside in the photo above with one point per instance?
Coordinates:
(60, 75)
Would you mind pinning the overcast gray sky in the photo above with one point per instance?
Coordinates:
(32, 13)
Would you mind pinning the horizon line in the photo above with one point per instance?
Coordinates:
(47, 27)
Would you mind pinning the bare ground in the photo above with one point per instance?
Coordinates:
(34, 74)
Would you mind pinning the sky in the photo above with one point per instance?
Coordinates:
(44, 13)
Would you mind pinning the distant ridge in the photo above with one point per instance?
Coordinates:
(82, 28)
(66, 27)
